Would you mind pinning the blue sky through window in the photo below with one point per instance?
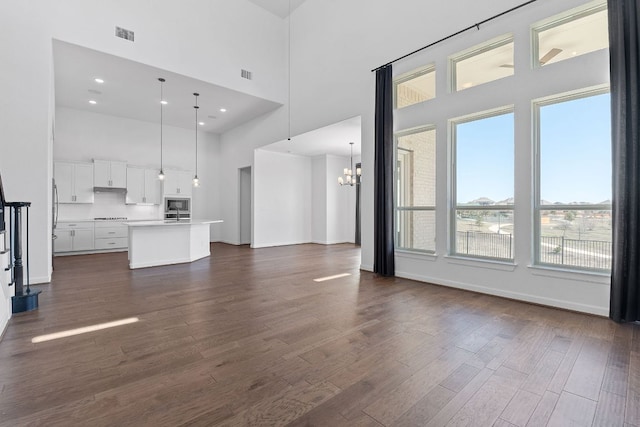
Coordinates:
(575, 154)
(575, 150)
(484, 157)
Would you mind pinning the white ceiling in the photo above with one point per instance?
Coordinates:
(333, 139)
(132, 90)
(279, 8)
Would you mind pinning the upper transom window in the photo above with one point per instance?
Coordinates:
(482, 64)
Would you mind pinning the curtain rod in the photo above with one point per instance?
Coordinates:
(456, 33)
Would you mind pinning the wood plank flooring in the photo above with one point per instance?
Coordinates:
(246, 337)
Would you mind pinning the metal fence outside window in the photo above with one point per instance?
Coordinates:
(594, 254)
(491, 245)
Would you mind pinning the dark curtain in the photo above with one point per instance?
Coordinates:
(384, 263)
(624, 40)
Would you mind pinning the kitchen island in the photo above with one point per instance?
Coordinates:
(159, 242)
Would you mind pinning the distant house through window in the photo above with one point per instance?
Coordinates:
(573, 214)
(483, 165)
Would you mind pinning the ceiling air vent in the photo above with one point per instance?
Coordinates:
(124, 33)
(245, 74)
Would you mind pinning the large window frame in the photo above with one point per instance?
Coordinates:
(455, 206)
(538, 207)
(400, 207)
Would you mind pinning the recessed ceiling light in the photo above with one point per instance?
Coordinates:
(201, 123)
(92, 102)
(98, 80)
(223, 110)
(163, 102)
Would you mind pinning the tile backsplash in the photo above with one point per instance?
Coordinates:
(107, 204)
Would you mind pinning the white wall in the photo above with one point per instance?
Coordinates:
(84, 136)
(334, 47)
(333, 206)
(319, 182)
(174, 36)
(341, 203)
(282, 199)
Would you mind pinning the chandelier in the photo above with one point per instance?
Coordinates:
(348, 178)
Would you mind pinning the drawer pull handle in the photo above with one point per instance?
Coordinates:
(112, 232)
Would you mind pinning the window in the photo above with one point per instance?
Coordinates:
(483, 188)
(573, 214)
(416, 190)
(483, 64)
(571, 35)
(418, 86)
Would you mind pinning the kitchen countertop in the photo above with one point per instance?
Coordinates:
(106, 220)
(156, 223)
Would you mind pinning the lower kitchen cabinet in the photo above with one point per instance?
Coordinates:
(87, 236)
(74, 236)
(109, 235)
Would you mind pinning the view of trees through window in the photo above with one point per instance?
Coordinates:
(566, 149)
(575, 182)
(484, 184)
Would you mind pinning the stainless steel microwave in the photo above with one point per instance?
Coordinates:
(177, 207)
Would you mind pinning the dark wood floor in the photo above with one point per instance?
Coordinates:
(246, 337)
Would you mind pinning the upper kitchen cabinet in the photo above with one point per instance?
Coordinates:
(177, 183)
(143, 186)
(109, 174)
(74, 182)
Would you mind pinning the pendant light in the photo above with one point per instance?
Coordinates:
(161, 174)
(196, 181)
(349, 179)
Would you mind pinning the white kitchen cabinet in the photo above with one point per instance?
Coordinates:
(74, 182)
(177, 183)
(109, 174)
(143, 186)
(74, 236)
(111, 235)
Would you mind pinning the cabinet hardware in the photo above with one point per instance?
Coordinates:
(112, 232)
(73, 225)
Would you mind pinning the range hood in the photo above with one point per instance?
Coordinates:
(109, 190)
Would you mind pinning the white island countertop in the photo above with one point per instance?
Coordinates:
(169, 222)
(166, 242)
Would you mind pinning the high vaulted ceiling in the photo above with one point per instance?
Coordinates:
(132, 90)
(280, 8)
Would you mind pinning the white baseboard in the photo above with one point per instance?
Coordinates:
(567, 305)
(366, 267)
(271, 245)
(39, 280)
(335, 242)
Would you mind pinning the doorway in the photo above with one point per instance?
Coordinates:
(245, 205)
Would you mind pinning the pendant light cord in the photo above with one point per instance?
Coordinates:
(196, 108)
(161, 105)
(289, 66)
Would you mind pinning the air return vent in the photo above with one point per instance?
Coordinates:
(124, 33)
(245, 74)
